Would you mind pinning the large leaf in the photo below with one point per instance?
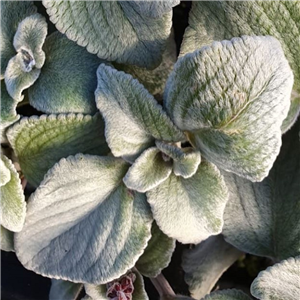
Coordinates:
(227, 295)
(68, 79)
(232, 98)
(158, 253)
(6, 239)
(13, 206)
(64, 290)
(204, 265)
(99, 292)
(190, 210)
(12, 13)
(83, 224)
(40, 142)
(132, 116)
(122, 31)
(24, 68)
(263, 218)
(281, 281)
(148, 171)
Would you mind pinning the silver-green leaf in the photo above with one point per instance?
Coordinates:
(121, 31)
(6, 239)
(83, 224)
(227, 295)
(231, 98)
(190, 210)
(133, 118)
(13, 206)
(278, 282)
(263, 218)
(68, 79)
(64, 290)
(40, 142)
(204, 265)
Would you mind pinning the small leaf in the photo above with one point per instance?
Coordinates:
(204, 265)
(68, 79)
(12, 13)
(148, 171)
(5, 175)
(278, 282)
(83, 224)
(190, 210)
(99, 292)
(263, 218)
(13, 206)
(6, 239)
(231, 98)
(65, 290)
(40, 142)
(227, 295)
(24, 68)
(293, 114)
(158, 253)
(132, 116)
(121, 31)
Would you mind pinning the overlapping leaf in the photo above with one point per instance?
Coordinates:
(263, 218)
(121, 31)
(24, 68)
(40, 142)
(293, 114)
(68, 80)
(158, 253)
(232, 98)
(12, 13)
(278, 282)
(13, 206)
(6, 239)
(190, 210)
(132, 116)
(204, 265)
(227, 295)
(66, 290)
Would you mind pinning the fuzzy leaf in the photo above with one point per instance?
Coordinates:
(99, 292)
(263, 218)
(132, 116)
(158, 253)
(293, 114)
(24, 68)
(227, 295)
(40, 142)
(278, 282)
(68, 80)
(6, 239)
(176, 297)
(148, 171)
(232, 98)
(12, 13)
(13, 206)
(204, 265)
(65, 290)
(195, 204)
(83, 224)
(115, 30)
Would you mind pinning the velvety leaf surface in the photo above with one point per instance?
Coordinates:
(158, 253)
(83, 224)
(12, 13)
(68, 79)
(13, 206)
(278, 282)
(190, 210)
(121, 31)
(66, 290)
(148, 171)
(293, 114)
(24, 68)
(232, 98)
(263, 218)
(40, 142)
(6, 239)
(99, 291)
(227, 295)
(132, 116)
(205, 264)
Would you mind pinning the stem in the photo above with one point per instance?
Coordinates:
(162, 285)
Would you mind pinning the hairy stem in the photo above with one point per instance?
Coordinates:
(162, 285)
